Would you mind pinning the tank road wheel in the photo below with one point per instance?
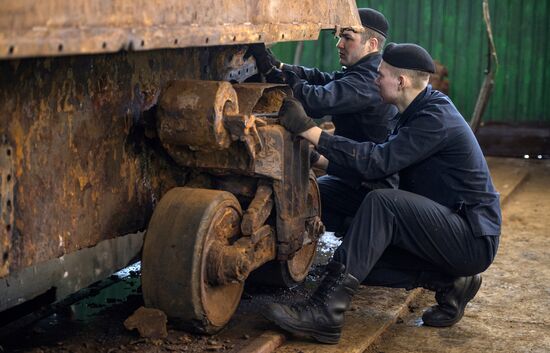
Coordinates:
(184, 225)
(293, 271)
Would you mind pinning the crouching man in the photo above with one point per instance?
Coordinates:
(439, 230)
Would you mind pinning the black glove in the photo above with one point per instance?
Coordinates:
(273, 59)
(291, 78)
(262, 56)
(314, 157)
(275, 76)
(293, 116)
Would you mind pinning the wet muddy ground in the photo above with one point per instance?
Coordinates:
(95, 323)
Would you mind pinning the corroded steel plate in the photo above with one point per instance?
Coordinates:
(55, 27)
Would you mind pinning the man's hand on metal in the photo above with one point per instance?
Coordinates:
(293, 116)
(291, 78)
(314, 157)
(265, 60)
(273, 59)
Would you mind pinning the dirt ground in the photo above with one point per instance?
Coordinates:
(511, 312)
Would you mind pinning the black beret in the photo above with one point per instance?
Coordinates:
(374, 20)
(408, 56)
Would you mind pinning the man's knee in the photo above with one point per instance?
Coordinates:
(382, 196)
(326, 186)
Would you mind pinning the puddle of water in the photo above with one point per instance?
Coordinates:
(125, 283)
(325, 248)
(418, 322)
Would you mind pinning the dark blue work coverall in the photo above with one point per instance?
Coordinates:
(443, 221)
(358, 113)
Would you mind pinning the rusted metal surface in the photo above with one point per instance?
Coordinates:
(258, 210)
(295, 268)
(261, 97)
(188, 131)
(187, 225)
(191, 113)
(291, 197)
(87, 165)
(229, 263)
(69, 273)
(196, 118)
(6, 204)
(244, 128)
(300, 263)
(281, 165)
(56, 27)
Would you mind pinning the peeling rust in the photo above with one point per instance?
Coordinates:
(259, 209)
(261, 97)
(52, 27)
(84, 168)
(191, 113)
(94, 142)
(6, 204)
(280, 158)
(229, 263)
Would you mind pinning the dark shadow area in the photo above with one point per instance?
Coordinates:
(515, 140)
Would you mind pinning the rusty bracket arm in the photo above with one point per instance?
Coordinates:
(259, 209)
(233, 263)
(243, 128)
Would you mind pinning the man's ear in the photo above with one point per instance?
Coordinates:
(373, 43)
(402, 81)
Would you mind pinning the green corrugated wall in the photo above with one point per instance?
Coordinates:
(453, 31)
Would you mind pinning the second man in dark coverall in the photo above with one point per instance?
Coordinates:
(353, 100)
(439, 230)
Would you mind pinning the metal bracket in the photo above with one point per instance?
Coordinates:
(242, 72)
(6, 204)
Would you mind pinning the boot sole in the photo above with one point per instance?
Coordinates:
(448, 323)
(322, 337)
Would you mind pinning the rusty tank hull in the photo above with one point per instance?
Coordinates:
(82, 166)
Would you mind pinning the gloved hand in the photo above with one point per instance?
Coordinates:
(275, 76)
(314, 157)
(291, 78)
(273, 59)
(263, 56)
(293, 116)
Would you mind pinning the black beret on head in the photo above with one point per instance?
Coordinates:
(408, 56)
(374, 20)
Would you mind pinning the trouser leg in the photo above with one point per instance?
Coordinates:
(429, 231)
(338, 201)
(398, 268)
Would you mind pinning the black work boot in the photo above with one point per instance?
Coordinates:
(322, 315)
(451, 302)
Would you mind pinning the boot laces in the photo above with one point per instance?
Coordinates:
(322, 295)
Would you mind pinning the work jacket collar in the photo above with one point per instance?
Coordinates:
(415, 105)
(364, 59)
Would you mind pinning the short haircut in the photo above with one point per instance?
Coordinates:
(418, 78)
(370, 33)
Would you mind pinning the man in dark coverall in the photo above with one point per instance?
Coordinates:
(353, 99)
(439, 230)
